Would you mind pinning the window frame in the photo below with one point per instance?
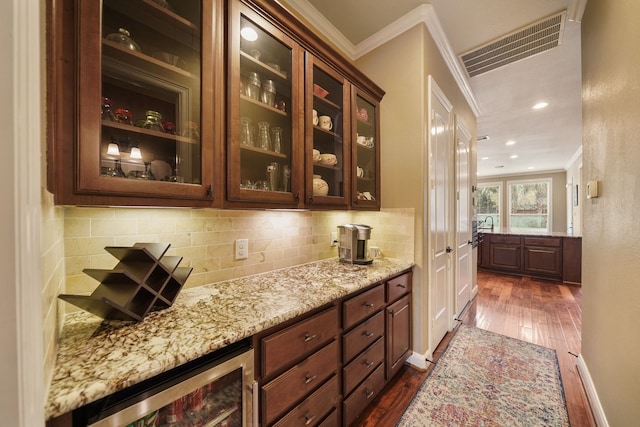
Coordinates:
(500, 194)
(549, 182)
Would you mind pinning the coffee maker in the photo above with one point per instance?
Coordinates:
(353, 242)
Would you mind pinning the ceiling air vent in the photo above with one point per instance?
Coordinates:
(535, 38)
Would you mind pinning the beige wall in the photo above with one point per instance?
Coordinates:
(611, 247)
(401, 67)
(558, 193)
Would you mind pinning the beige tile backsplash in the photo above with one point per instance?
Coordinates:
(205, 238)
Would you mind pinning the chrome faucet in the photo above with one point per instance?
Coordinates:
(484, 221)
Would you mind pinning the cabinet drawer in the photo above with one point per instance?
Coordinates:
(511, 240)
(362, 306)
(288, 345)
(362, 336)
(398, 286)
(543, 241)
(363, 396)
(315, 407)
(362, 366)
(332, 420)
(297, 382)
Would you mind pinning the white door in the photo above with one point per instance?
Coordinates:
(440, 202)
(464, 258)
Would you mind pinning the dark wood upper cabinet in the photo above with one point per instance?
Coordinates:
(154, 103)
(135, 106)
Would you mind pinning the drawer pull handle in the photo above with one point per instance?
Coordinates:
(308, 337)
(369, 363)
(401, 285)
(309, 419)
(368, 304)
(308, 378)
(368, 334)
(369, 394)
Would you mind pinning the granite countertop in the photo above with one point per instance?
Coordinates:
(97, 358)
(507, 232)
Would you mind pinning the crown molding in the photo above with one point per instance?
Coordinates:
(323, 25)
(576, 10)
(424, 13)
(574, 158)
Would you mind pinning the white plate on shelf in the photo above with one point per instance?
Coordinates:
(160, 169)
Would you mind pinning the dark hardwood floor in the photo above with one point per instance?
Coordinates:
(538, 311)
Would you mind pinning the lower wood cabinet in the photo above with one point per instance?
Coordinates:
(326, 367)
(550, 257)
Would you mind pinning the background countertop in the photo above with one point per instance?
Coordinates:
(97, 357)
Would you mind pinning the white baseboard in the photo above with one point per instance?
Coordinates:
(592, 395)
(419, 360)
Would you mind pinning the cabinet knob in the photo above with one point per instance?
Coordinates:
(369, 363)
(308, 337)
(369, 393)
(309, 419)
(368, 334)
(368, 304)
(308, 378)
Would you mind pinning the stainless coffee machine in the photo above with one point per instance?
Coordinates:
(353, 240)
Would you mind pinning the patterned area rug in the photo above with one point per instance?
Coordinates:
(487, 379)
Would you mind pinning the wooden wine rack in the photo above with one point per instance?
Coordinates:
(144, 280)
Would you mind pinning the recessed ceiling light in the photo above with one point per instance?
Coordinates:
(530, 167)
(540, 105)
(510, 143)
(513, 156)
(484, 158)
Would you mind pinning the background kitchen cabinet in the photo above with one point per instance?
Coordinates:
(505, 253)
(127, 129)
(543, 256)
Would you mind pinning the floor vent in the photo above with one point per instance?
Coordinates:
(520, 44)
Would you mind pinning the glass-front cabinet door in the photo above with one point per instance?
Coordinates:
(366, 151)
(265, 111)
(146, 104)
(328, 157)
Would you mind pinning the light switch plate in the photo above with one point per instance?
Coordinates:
(242, 248)
(334, 238)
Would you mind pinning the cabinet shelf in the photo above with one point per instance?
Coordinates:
(328, 132)
(160, 18)
(149, 132)
(140, 60)
(263, 66)
(261, 152)
(263, 105)
(328, 167)
(327, 102)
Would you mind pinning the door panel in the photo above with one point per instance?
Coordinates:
(463, 276)
(441, 188)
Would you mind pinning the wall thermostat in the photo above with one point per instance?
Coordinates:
(592, 189)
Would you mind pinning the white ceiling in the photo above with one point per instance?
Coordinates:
(546, 139)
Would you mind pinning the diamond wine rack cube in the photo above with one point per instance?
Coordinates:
(144, 280)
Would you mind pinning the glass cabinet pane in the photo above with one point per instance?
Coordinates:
(330, 158)
(151, 91)
(366, 153)
(263, 74)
